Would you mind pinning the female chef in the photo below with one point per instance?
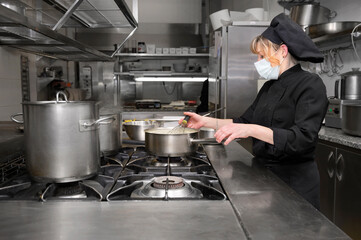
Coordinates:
(286, 116)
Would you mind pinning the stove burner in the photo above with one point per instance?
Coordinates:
(69, 190)
(173, 182)
(156, 189)
(132, 173)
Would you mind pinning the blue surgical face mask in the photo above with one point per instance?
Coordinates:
(265, 69)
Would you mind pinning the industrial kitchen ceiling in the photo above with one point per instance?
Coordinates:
(35, 28)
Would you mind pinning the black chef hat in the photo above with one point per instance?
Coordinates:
(283, 30)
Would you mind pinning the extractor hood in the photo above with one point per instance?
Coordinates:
(36, 28)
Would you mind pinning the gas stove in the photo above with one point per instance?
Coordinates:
(131, 174)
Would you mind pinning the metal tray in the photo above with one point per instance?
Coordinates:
(331, 29)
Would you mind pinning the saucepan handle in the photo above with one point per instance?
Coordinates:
(15, 120)
(208, 140)
(204, 140)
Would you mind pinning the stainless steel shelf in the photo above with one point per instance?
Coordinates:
(334, 41)
(332, 34)
(27, 34)
(160, 56)
(161, 74)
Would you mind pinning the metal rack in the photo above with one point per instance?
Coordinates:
(11, 168)
(20, 26)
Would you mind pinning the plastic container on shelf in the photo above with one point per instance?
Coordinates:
(141, 47)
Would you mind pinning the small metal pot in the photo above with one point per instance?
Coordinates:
(206, 132)
(310, 14)
(109, 134)
(351, 118)
(350, 85)
(135, 129)
(162, 142)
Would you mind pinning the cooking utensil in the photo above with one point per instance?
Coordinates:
(310, 14)
(186, 119)
(160, 142)
(62, 139)
(331, 29)
(135, 129)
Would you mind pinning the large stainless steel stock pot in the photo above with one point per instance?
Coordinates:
(62, 139)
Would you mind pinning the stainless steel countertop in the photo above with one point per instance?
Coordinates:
(131, 220)
(266, 206)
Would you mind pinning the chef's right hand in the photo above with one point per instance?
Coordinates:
(196, 121)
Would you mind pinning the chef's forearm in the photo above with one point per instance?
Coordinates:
(262, 133)
(216, 123)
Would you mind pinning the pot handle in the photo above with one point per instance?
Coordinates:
(15, 120)
(336, 88)
(87, 124)
(209, 140)
(204, 140)
(64, 95)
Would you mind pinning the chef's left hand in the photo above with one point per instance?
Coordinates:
(232, 131)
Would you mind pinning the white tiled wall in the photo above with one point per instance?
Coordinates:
(10, 90)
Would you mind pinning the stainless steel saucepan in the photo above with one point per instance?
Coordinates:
(163, 142)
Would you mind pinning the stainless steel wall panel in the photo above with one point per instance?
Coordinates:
(233, 77)
(241, 75)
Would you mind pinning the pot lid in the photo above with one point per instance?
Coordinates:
(354, 72)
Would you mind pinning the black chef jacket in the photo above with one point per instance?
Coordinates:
(293, 107)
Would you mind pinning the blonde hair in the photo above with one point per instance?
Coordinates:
(266, 46)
